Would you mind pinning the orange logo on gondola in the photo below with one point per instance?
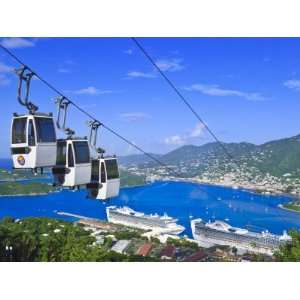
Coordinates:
(21, 160)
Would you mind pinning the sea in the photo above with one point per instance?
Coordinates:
(182, 200)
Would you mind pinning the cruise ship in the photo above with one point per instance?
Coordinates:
(221, 233)
(129, 217)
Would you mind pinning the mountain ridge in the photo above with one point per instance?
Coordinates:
(276, 157)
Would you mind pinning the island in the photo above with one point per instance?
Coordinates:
(25, 189)
(21, 175)
(24, 184)
(292, 206)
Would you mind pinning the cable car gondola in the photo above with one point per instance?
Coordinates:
(33, 136)
(73, 165)
(73, 162)
(105, 179)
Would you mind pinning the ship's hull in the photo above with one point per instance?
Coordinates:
(144, 222)
(252, 242)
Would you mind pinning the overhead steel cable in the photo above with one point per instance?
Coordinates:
(96, 120)
(185, 101)
(236, 162)
(79, 108)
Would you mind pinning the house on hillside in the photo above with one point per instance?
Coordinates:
(144, 250)
(168, 252)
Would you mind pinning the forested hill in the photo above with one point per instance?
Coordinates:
(276, 157)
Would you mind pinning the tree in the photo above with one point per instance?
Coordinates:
(290, 251)
(234, 250)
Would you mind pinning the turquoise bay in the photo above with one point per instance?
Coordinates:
(182, 200)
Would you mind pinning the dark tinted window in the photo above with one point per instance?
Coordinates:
(61, 153)
(31, 134)
(112, 169)
(19, 131)
(45, 130)
(82, 152)
(103, 175)
(95, 170)
(70, 156)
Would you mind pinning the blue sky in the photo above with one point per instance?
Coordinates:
(245, 89)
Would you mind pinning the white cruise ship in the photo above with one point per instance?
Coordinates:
(129, 217)
(221, 233)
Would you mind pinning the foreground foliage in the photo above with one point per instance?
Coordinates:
(44, 239)
(290, 251)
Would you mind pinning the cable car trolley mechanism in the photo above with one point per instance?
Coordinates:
(33, 136)
(105, 179)
(73, 163)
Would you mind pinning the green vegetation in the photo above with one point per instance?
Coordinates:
(276, 163)
(10, 183)
(52, 240)
(292, 206)
(29, 188)
(16, 175)
(43, 239)
(154, 240)
(183, 243)
(129, 179)
(127, 235)
(291, 250)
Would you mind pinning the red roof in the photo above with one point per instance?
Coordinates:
(168, 251)
(196, 256)
(144, 249)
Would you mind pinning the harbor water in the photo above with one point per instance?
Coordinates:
(182, 200)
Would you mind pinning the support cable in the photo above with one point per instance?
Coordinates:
(184, 100)
(50, 86)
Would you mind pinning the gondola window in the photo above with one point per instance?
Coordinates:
(19, 131)
(112, 169)
(82, 152)
(45, 130)
(61, 154)
(31, 134)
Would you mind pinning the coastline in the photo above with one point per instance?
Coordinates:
(288, 209)
(30, 194)
(234, 187)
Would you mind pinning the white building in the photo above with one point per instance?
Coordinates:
(120, 246)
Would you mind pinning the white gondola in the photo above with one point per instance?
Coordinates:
(105, 179)
(33, 137)
(33, 141)
(73, 164)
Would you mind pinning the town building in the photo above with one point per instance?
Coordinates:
(120, 246)
(144, 250)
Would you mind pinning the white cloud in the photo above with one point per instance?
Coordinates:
(179, 140)
(175, 140)
(69, 62)
(292, 84)
(63, 70)
(91, 90)
(13, 43)
(4, 80)
(171, 65)
(88, 106)
(5, 68)
(215, 90)
(197, 131)
(135, 116)
(128, 51)
(138, 74)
